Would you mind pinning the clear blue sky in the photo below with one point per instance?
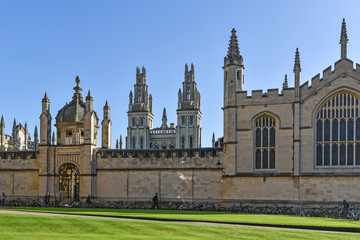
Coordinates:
(45, 44)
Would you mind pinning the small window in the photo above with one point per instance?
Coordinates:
(142, 122)
(133, 122)
(68, 133)
(191, 141)
(191, 120)
(188, 94)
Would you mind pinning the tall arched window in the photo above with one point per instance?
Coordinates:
(338, 131)
(265, 131)
(139, 95)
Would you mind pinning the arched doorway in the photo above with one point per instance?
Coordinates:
(69, 183)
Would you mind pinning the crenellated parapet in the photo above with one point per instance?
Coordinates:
(199, 158)
(343, 69)
(20, 160)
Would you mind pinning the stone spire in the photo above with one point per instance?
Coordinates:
(89, 102)
(121, 142)
(233, 54)
(2, 136)
(164, 119)
(117, 144)
(26, 136)
(213, 139)
(343, 40)
(36, 140)
(285, 83)
(53, 138)
(297, 70)
(14, 133)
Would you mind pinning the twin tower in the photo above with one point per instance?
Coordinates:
(140, 131)
(77, 123)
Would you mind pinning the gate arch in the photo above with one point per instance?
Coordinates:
(69, 183)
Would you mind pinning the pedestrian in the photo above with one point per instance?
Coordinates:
(155, 201)
(88, 200)
(3, 197)
(346, 208)
(47, 200)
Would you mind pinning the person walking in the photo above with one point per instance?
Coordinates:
(155, 201)
(3, 197)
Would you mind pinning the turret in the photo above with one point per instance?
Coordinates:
(297, 70)
(106, 128)
(45, 122)
(89, 102)
(188, 130)
(343, 40)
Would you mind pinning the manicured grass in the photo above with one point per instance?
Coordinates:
(15, 226)
(204, 216)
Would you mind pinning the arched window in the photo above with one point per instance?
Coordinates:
(191, 141)
(134, 143)
(139, 95)
(188, 94)
(265, 147)
(338, 131)
(141, 143)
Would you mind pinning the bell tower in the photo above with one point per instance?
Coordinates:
(140, 116)
(188, 130)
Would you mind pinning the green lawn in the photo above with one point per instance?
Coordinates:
(15, 226)
(204, 216)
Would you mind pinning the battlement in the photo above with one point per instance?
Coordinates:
(161, 158)
(19, 154)
(343, 68)
(260, 97)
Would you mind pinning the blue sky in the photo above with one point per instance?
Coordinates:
(44, 45)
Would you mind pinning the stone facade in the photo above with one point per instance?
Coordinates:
(302, 144)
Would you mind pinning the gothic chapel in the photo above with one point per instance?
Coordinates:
(299, 144)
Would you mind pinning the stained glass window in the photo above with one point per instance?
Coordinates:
(338, 131)
(265, 142)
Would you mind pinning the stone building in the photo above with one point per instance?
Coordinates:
(302, 144)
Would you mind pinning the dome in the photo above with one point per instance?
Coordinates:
(73, 111)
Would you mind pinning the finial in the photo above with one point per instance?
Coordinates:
(77, 80)
(343, 36)
(343, 40)
(213, 139)
(143, 70)
(35, 132)
(164, 116)
(106, 104)
(137, 70)
(285, 83)
(117, 144)
(77, 88)
(192, 67)
(89, 97)
(186, 67)
(297, 61)
(2, 121)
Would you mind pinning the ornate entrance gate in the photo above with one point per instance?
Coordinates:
(69, 183)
